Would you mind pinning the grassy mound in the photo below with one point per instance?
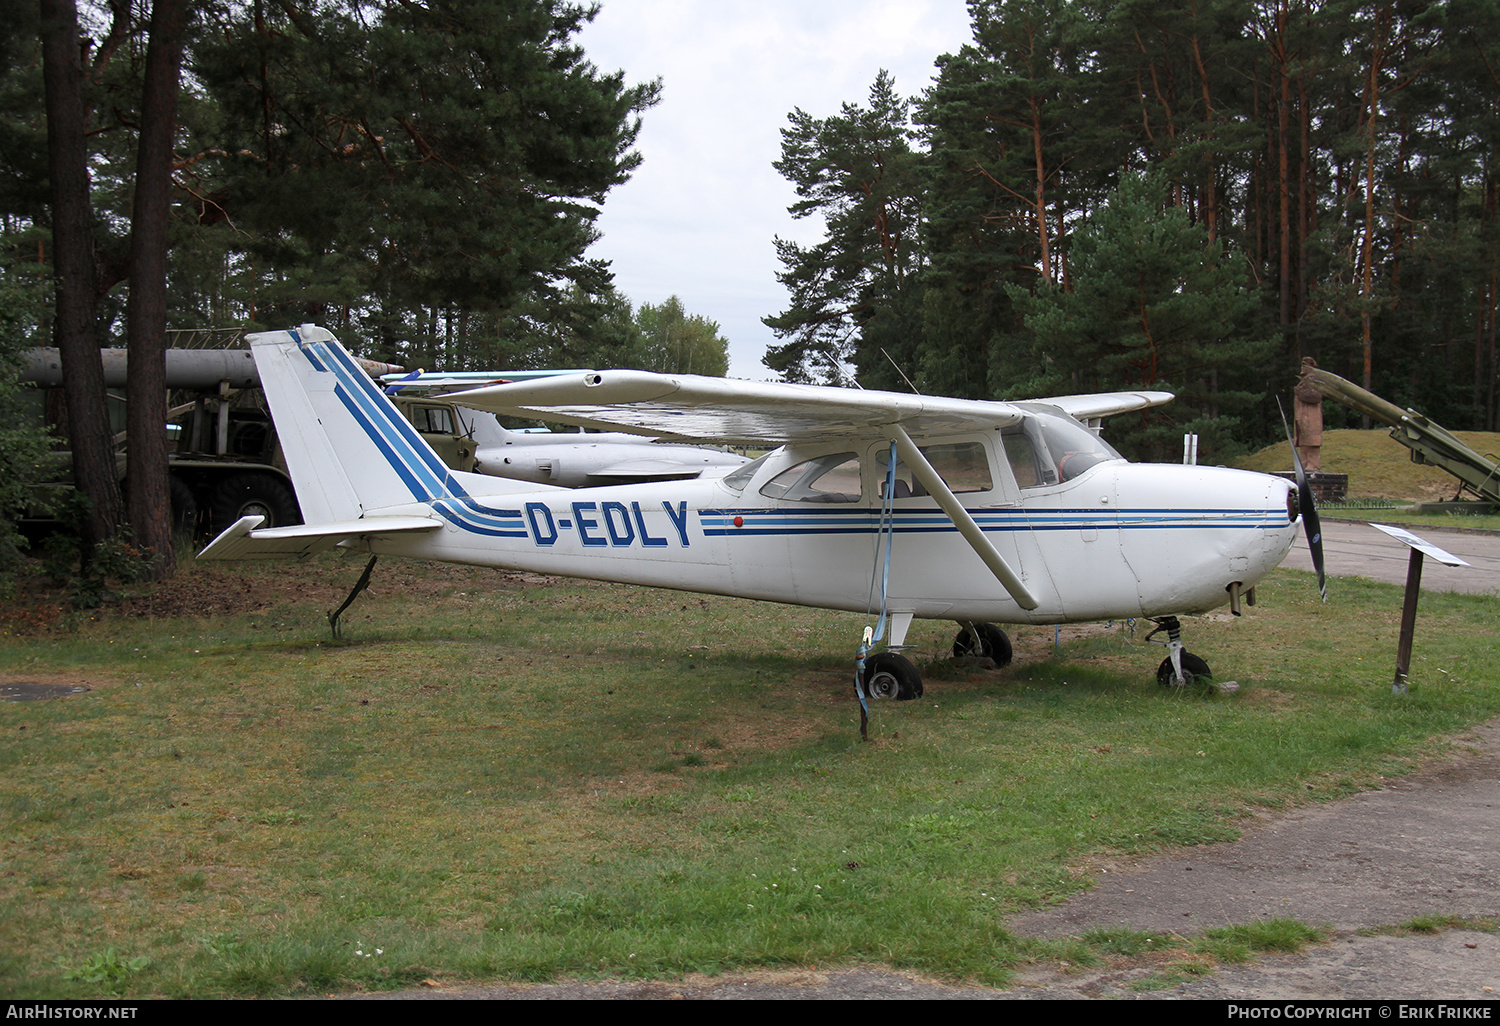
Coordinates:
(1377, 465)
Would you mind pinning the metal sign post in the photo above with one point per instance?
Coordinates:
(1418, 547)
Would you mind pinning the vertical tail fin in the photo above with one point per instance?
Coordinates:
(348, 449)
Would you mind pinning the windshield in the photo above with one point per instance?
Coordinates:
(1048, 448)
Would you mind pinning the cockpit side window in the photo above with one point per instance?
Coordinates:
(963, 466)
(434, 420)
(830, 478)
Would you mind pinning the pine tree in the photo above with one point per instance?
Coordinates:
(1006, 163)
(856, 293)
(1154, 306)
(443, 154)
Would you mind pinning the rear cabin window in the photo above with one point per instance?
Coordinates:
(831, 478)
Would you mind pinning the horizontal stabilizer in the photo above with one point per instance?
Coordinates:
(241, 541)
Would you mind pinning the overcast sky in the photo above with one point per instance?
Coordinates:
(698, 219)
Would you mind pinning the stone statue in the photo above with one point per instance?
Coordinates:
(1309, 419)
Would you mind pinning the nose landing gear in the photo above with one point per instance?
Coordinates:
(1181, 669)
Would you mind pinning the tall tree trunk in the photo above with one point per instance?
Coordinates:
(146, 311)
(1283, 176)
(76, 270)
(1040, 201)
(1306, 211)
(1367, 247)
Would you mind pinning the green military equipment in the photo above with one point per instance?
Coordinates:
(1429, 442)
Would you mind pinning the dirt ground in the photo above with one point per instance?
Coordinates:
(40, 605)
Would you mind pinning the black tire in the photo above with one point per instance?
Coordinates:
(888, 675)
(184, 510)
(1194, 669)
(241, 495)
(991, 641)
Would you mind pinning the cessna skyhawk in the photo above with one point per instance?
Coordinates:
(976, 512)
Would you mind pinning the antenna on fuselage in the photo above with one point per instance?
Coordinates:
(838, 372)
(900, 371)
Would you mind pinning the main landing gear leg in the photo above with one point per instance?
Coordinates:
(1181, 669)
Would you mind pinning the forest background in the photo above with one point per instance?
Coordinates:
(1190, 195)
(1093, 195)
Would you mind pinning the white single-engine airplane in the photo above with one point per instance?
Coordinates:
(586, 460)
(977, 512)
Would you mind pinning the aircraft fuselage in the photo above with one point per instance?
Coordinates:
(1118, 540)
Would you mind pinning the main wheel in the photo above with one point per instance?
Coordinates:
(983, 639)
(1195, 671)
(888, 675)
(257, 494)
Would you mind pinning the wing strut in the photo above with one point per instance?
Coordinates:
(950, 505)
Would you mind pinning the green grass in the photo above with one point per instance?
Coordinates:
(490, 779)
(1183, 959)
(1434, 923)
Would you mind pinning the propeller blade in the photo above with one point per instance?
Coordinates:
(1314, 531)
(1307, 508)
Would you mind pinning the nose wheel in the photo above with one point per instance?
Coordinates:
(1181, 669)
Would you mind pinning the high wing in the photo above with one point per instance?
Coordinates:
(1090, 409)
(689, 407)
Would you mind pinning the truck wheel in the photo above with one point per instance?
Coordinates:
(184, 510)
(243, 495)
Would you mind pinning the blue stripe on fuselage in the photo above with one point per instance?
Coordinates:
(764, 522)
